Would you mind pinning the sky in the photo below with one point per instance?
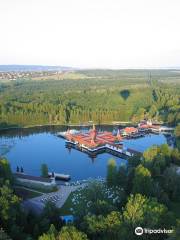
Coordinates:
(91, 33)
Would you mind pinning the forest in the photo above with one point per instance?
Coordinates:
(102, 96)
(144, 193)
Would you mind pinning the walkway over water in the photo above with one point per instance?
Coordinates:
(116, 150)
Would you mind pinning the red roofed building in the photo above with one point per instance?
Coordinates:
(93, 138)
(143, 125)
(129, 130)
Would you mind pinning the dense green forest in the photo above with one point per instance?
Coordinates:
(144, 193)
(101, 96)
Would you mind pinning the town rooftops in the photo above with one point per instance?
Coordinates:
(33, 178)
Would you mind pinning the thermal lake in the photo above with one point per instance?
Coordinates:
(31, 147)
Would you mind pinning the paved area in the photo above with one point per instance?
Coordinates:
(37, 204)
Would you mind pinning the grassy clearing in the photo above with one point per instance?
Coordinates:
(69, 202)
(62, 76)
(65, 210)
(85, 200)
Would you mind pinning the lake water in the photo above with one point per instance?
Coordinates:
(30, 148)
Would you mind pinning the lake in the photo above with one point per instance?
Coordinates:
(31, 147)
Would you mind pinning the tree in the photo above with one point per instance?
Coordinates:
(9, 206)
(43, 224)
(36, 231)
(175, 155)
(165, 150)
(177, 134)
(111, 172)
(121, 178)
(52, 230)
(44, 170)
(150, 154)
(171, 183)
(51, 212)
(153, 111)
(104, 227)
(71, 233)
(50, 235)
(5, 172)
(47, 236)
(101, 207)
(142, 211)
(142, 182)
(3, 235)
(156, 159)
(113, 222)
(176, 233)
(134, 161)
(177, 131)
(95, 191)
(158, 165)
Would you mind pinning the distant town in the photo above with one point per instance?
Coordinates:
(17, 75)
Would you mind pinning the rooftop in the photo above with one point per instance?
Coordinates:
(93, 138)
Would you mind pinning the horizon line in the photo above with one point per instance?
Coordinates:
(94, 68)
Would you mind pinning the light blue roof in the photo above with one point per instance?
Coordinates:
(67, 218)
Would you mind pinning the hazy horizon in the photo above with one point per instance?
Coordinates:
(92, 68)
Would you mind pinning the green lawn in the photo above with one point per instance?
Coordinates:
(65, 210)
(82, 200)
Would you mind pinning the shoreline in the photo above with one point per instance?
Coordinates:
(114, 123)
(68, 125)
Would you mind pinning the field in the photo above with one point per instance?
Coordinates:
(62, 76)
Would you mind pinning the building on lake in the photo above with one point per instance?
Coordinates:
(93, 138)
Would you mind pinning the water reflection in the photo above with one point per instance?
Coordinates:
(31, 147)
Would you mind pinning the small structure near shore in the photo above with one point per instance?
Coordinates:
(128, 131)
(148, 125)
(67, 219)
(59, 176)
(27, 180)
